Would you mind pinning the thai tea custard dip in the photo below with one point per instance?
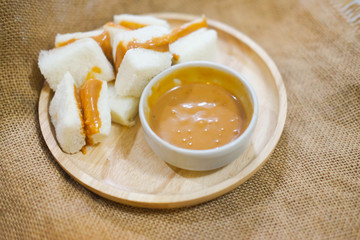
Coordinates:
(199, 109)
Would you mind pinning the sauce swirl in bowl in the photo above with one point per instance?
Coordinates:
(198, 115)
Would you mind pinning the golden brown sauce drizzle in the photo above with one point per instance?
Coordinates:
(132, 25)
(103, 40)
(89, 96)
(61, 44)
(176, 57)
(186, 29)
(83, 149)
(160, 44)
(91, 74)
(199, 108)
(119, 56)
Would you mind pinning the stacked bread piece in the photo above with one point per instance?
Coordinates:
(77, 58)
(138, 61)
(193, 41)
(67, 117)
(98, 76)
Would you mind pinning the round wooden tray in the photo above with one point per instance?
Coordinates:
(123, 168)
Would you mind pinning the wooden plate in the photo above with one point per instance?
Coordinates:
(124, 168)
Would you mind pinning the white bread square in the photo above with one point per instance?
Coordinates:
(104, 115)
(66, 116)
(138, 67)
(198, 45)
(140, 35)
(146, 20)
(61, 38)
(123, 109)
(78, 58)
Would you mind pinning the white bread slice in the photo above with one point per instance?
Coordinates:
(79, 58)
(145, 20)
(137, 68)
(61, 38)
(66, 116)
(123, 109)
(104, 113)
(140, 35)
(198, 45)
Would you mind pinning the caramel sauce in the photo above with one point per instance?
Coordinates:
(176, 57)
(92, 72)
(103, 40)
(132, 25)
(160, 44)
(199, 108)
(186, 29)
(119, 56)
(83, 149)
(61, 44)
(89, 95)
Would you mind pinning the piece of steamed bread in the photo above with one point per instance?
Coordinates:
(94, 102)
(138, 67)
(137, 21)
(62, 39)
(66, 116)
(123, 109)
(198, 45)
(140, 35)
(78, 58)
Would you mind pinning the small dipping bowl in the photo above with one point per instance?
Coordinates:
(207, 159)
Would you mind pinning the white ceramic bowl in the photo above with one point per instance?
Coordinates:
(198, 160)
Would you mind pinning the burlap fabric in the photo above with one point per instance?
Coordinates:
(309, 188)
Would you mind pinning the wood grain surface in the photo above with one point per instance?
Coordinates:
(123, 168)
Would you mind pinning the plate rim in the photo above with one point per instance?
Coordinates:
(185, 199)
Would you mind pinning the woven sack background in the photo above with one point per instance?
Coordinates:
(309, 188)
